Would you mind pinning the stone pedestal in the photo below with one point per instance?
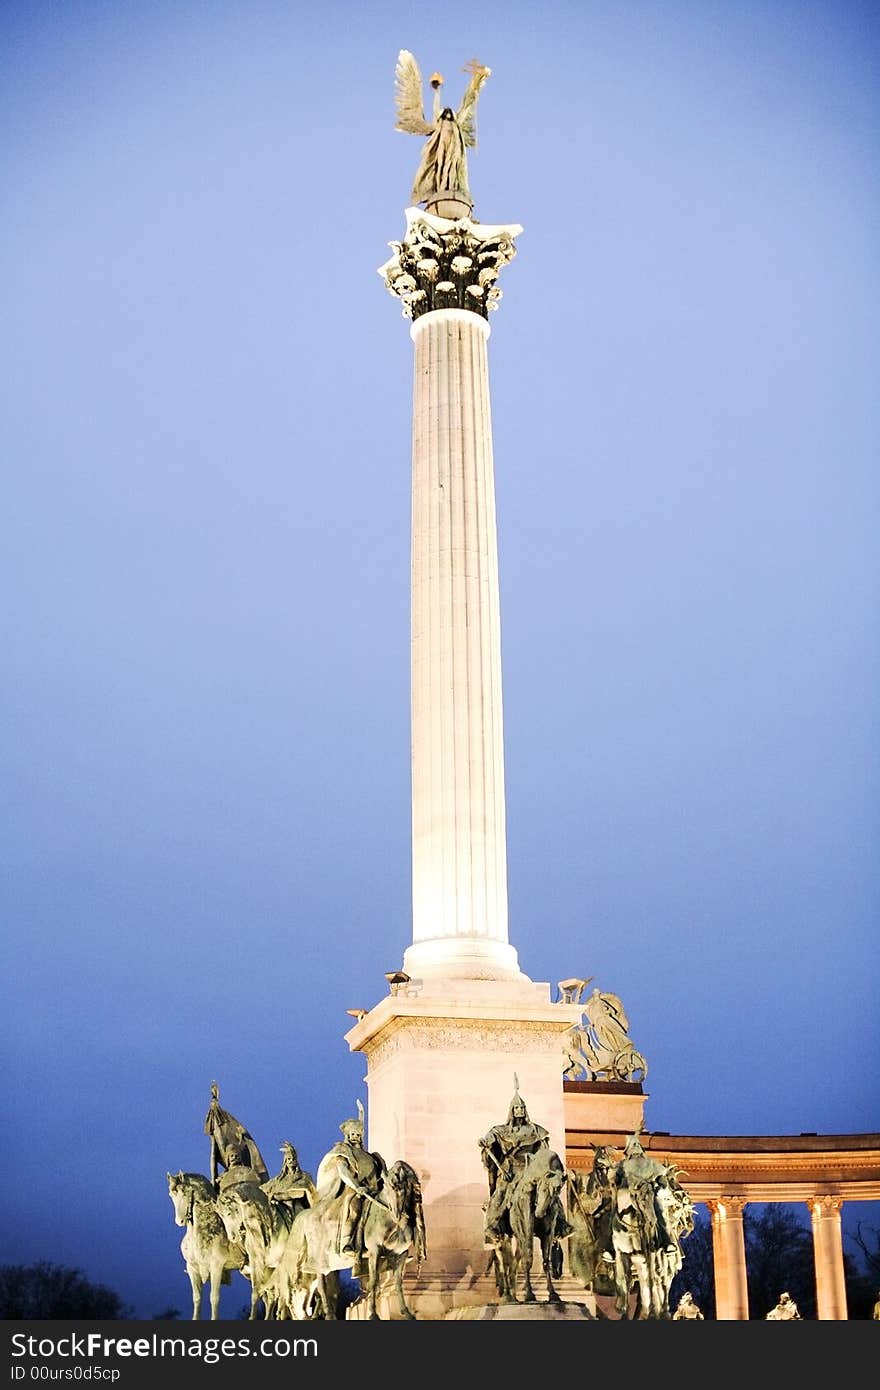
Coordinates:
(441, 1063)
(601, 1111)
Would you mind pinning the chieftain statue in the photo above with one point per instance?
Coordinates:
(450, 134)
(526, 1179)
(232, 1146)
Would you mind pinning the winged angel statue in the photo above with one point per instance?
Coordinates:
(450, 133)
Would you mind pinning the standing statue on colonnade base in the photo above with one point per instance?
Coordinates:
(687, 1309)
(786, 1310)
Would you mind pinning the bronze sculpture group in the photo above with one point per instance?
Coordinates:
(630, 1215)
(291, 1236)
(623, 1222)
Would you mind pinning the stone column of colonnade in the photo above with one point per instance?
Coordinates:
(729, 1256)
(828, 1256)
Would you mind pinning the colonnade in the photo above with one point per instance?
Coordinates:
(729, 1257)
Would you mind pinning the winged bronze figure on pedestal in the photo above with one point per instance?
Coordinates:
(450, 134)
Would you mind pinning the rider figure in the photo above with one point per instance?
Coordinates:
(505, 1150)
(232, 1146)
(350, 1172)
(239, 1167)
(292, 1188)
(636, 1181)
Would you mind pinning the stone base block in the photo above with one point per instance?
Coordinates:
(434, 1298)
(524, 1312)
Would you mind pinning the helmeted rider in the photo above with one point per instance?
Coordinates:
(352, 1173)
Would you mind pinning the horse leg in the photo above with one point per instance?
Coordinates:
(621, 1285)
(216, 1282)
(255, 1297)
(197, 1284)
(525, 1254)
(643, 1278)
(405, 1310)
(547, 1258)
(373, 1282)
(506, 1272)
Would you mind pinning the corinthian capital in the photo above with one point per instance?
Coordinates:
(441, 264)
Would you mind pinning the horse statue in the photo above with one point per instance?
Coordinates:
(208, 1252)
(392, 1234)
(261, 1226)
(650, 1215)
(677, 1214)
(590, 1204)
(533, 1211)
(635, 1233)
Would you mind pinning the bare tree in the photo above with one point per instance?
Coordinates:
(45, 1290)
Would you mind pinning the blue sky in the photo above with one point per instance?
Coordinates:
(204, 575)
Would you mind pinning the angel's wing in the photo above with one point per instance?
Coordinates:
(408, 98)
(466, 115)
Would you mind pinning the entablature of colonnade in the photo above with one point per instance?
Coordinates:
(756, 1168)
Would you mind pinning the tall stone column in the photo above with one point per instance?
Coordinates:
(445, 274)
(729, 1255)
(828, 1255)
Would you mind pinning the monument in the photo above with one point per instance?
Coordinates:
(461, 1017)
(453, 1208)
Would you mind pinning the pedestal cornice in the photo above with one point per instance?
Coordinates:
(466, 1015)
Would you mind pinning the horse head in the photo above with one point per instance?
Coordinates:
(403, 1188)
(181, 1197)
(546, 1174)
(183, 1189)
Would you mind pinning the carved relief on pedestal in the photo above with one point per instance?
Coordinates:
(417, 1034)
(448, 265)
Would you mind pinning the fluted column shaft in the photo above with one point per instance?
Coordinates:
(828, 1256)
(729, 1256)
(445, 274)
(459, 854)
